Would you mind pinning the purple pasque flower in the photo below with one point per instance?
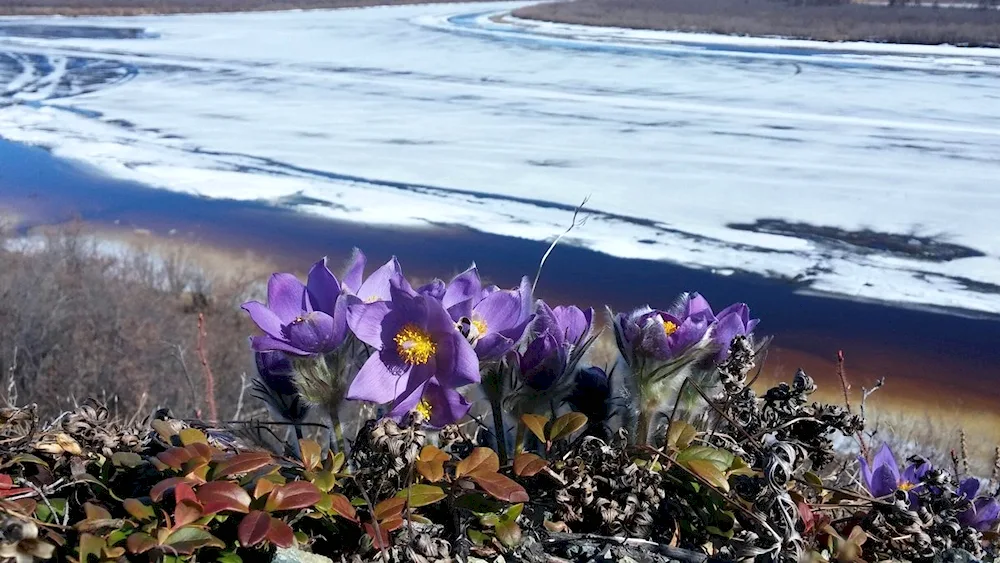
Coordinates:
(561, 336)
(731, 322)
(665, 335)
(275, 387)
(983, 512)
(882, 477)
(493, 321)
(376, 286)
(420, 359)
(301, 319)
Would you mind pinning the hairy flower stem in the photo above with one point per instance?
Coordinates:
(500, 430)
(338, 432)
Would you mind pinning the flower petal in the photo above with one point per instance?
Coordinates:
(448, 406)
(885, 458)
(322, 287)
(463, 286)
(573, 323)
(457, 362)
(434, 289)
(407, 400)
(284, 296)
(314, 333)
(378, 382)
(969, 488)
(500, 311)
(269, 343)
(355, 271)
(365, 320)
(264, 318)
(884, 481)
(376, 287)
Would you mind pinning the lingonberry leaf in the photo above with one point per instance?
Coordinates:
(528, 465)
(481, 460)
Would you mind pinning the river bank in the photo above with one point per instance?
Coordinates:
(940, 23)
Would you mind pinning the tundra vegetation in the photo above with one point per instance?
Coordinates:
(390, 420)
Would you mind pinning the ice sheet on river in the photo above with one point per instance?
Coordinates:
(852, 170)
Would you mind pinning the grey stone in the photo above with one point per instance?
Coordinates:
(293, 555)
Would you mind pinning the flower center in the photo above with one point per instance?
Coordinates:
(906, 486)
(372, 299)
(424, 408)
(669, 327)
(480, 325)
(414, 345)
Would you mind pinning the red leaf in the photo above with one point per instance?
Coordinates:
(808, 519)
(242, 463)
(158, 490)
(500, 487)
(528, 465)
(183, 491)
(392, 524)
(380, 542)
(217, 496)
(139, 542)
(6, 481)
(253, 528)
(186, 512)
(389, 508)
(342, 506)
(294, 495)
(174, 458)
(280, 534)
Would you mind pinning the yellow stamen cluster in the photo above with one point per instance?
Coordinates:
(414, 345)
(424, 408)
(669, 327)
(906, 486)
(480, 326)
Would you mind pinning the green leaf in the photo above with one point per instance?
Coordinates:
(710, 472)
(229, 557)
(190, 436)
(91, 545)
(478, 537)
(509, 534)
(566, 425)
(536, 423)
(479, 503)
(721, 459)
(421, 495)
(138, 510)
(740, 467)
(44, 513)
(512, 513)
(680, 434)
(813, 479)
(728, 534)
(189, 538)
(126, 459)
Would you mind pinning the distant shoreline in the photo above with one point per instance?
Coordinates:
(818, 20)
(79, 8)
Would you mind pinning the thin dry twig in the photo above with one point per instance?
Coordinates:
(213, 411)
(552, 246)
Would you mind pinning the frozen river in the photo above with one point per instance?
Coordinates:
(865, 172)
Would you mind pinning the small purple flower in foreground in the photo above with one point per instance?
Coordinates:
(731, 322)
(560, 337)
(882, 477)
(376, 286)
(420, 360)
(665, 335)
(984, 511)
(301, 319)
(275, 387)
(493, 322)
